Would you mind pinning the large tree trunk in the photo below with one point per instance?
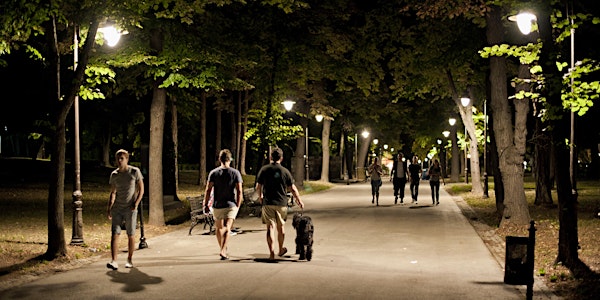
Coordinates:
(510, 145)
(500, 114)
(158, 107)
(325, 146)
(155, 168)
(516, 210)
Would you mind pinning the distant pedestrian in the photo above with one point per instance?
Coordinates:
(375, 171)
(435, 173)
(273, 182)
(414, 169)
(126, 191)
(227, 198)
(399, 176)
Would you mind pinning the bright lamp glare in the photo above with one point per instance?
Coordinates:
(365, 134)
(465, 101)
(452, 121)
(288, 104)
(319, 117)
(524, 21)
(111, 35)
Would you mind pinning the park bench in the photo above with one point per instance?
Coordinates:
(198, 216)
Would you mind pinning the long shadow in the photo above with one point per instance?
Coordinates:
(20, 266)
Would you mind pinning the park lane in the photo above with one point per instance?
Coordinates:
(361, 251)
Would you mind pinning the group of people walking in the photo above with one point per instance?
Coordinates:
(402, 173)
(223, 196)
(272, 184)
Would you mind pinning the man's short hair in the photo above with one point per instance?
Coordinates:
(122, 152)
(276, 154)
(224, 155)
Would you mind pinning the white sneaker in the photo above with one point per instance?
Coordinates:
(129, 264)
(112, 265)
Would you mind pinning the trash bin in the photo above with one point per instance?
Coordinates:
(518, 270)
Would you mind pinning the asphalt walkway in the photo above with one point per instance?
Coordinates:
(361, 251)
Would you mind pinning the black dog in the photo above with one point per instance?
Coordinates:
(304, 235)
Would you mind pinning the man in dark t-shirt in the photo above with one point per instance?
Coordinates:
(272, 183)
(225, 183)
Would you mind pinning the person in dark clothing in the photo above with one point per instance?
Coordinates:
(225, 183)
(273, 181)
(435, 173)
(399, 176)
(414, 170)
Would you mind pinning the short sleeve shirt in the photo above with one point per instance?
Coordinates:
(126, 184)
(224, 181)
(414, 170)
(275, 180)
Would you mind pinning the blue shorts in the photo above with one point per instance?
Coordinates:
(124, 217)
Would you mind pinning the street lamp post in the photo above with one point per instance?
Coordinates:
(485, 174)
(455, 154)
(306, 154)
(465, 102)
(77, 234)
(446, 134)
(112, 36)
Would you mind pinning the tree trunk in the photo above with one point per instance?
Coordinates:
(516, 210)
(155, 168)
(543, 187)
(325, 146)
(155, 151)
(202, 176)
(510, 145)
(362, 157)
(500, 113)
(57, 246)
(243, 130)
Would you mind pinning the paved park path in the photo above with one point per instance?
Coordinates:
(361, 251)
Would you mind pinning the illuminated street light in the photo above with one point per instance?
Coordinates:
(465, 101)
(525, 21)
(455, 156)
(77, 228)
(288, 104)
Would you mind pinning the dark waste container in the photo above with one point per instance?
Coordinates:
(518, 269)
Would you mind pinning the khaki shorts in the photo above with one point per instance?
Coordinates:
(274, 214)
(225, 213)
